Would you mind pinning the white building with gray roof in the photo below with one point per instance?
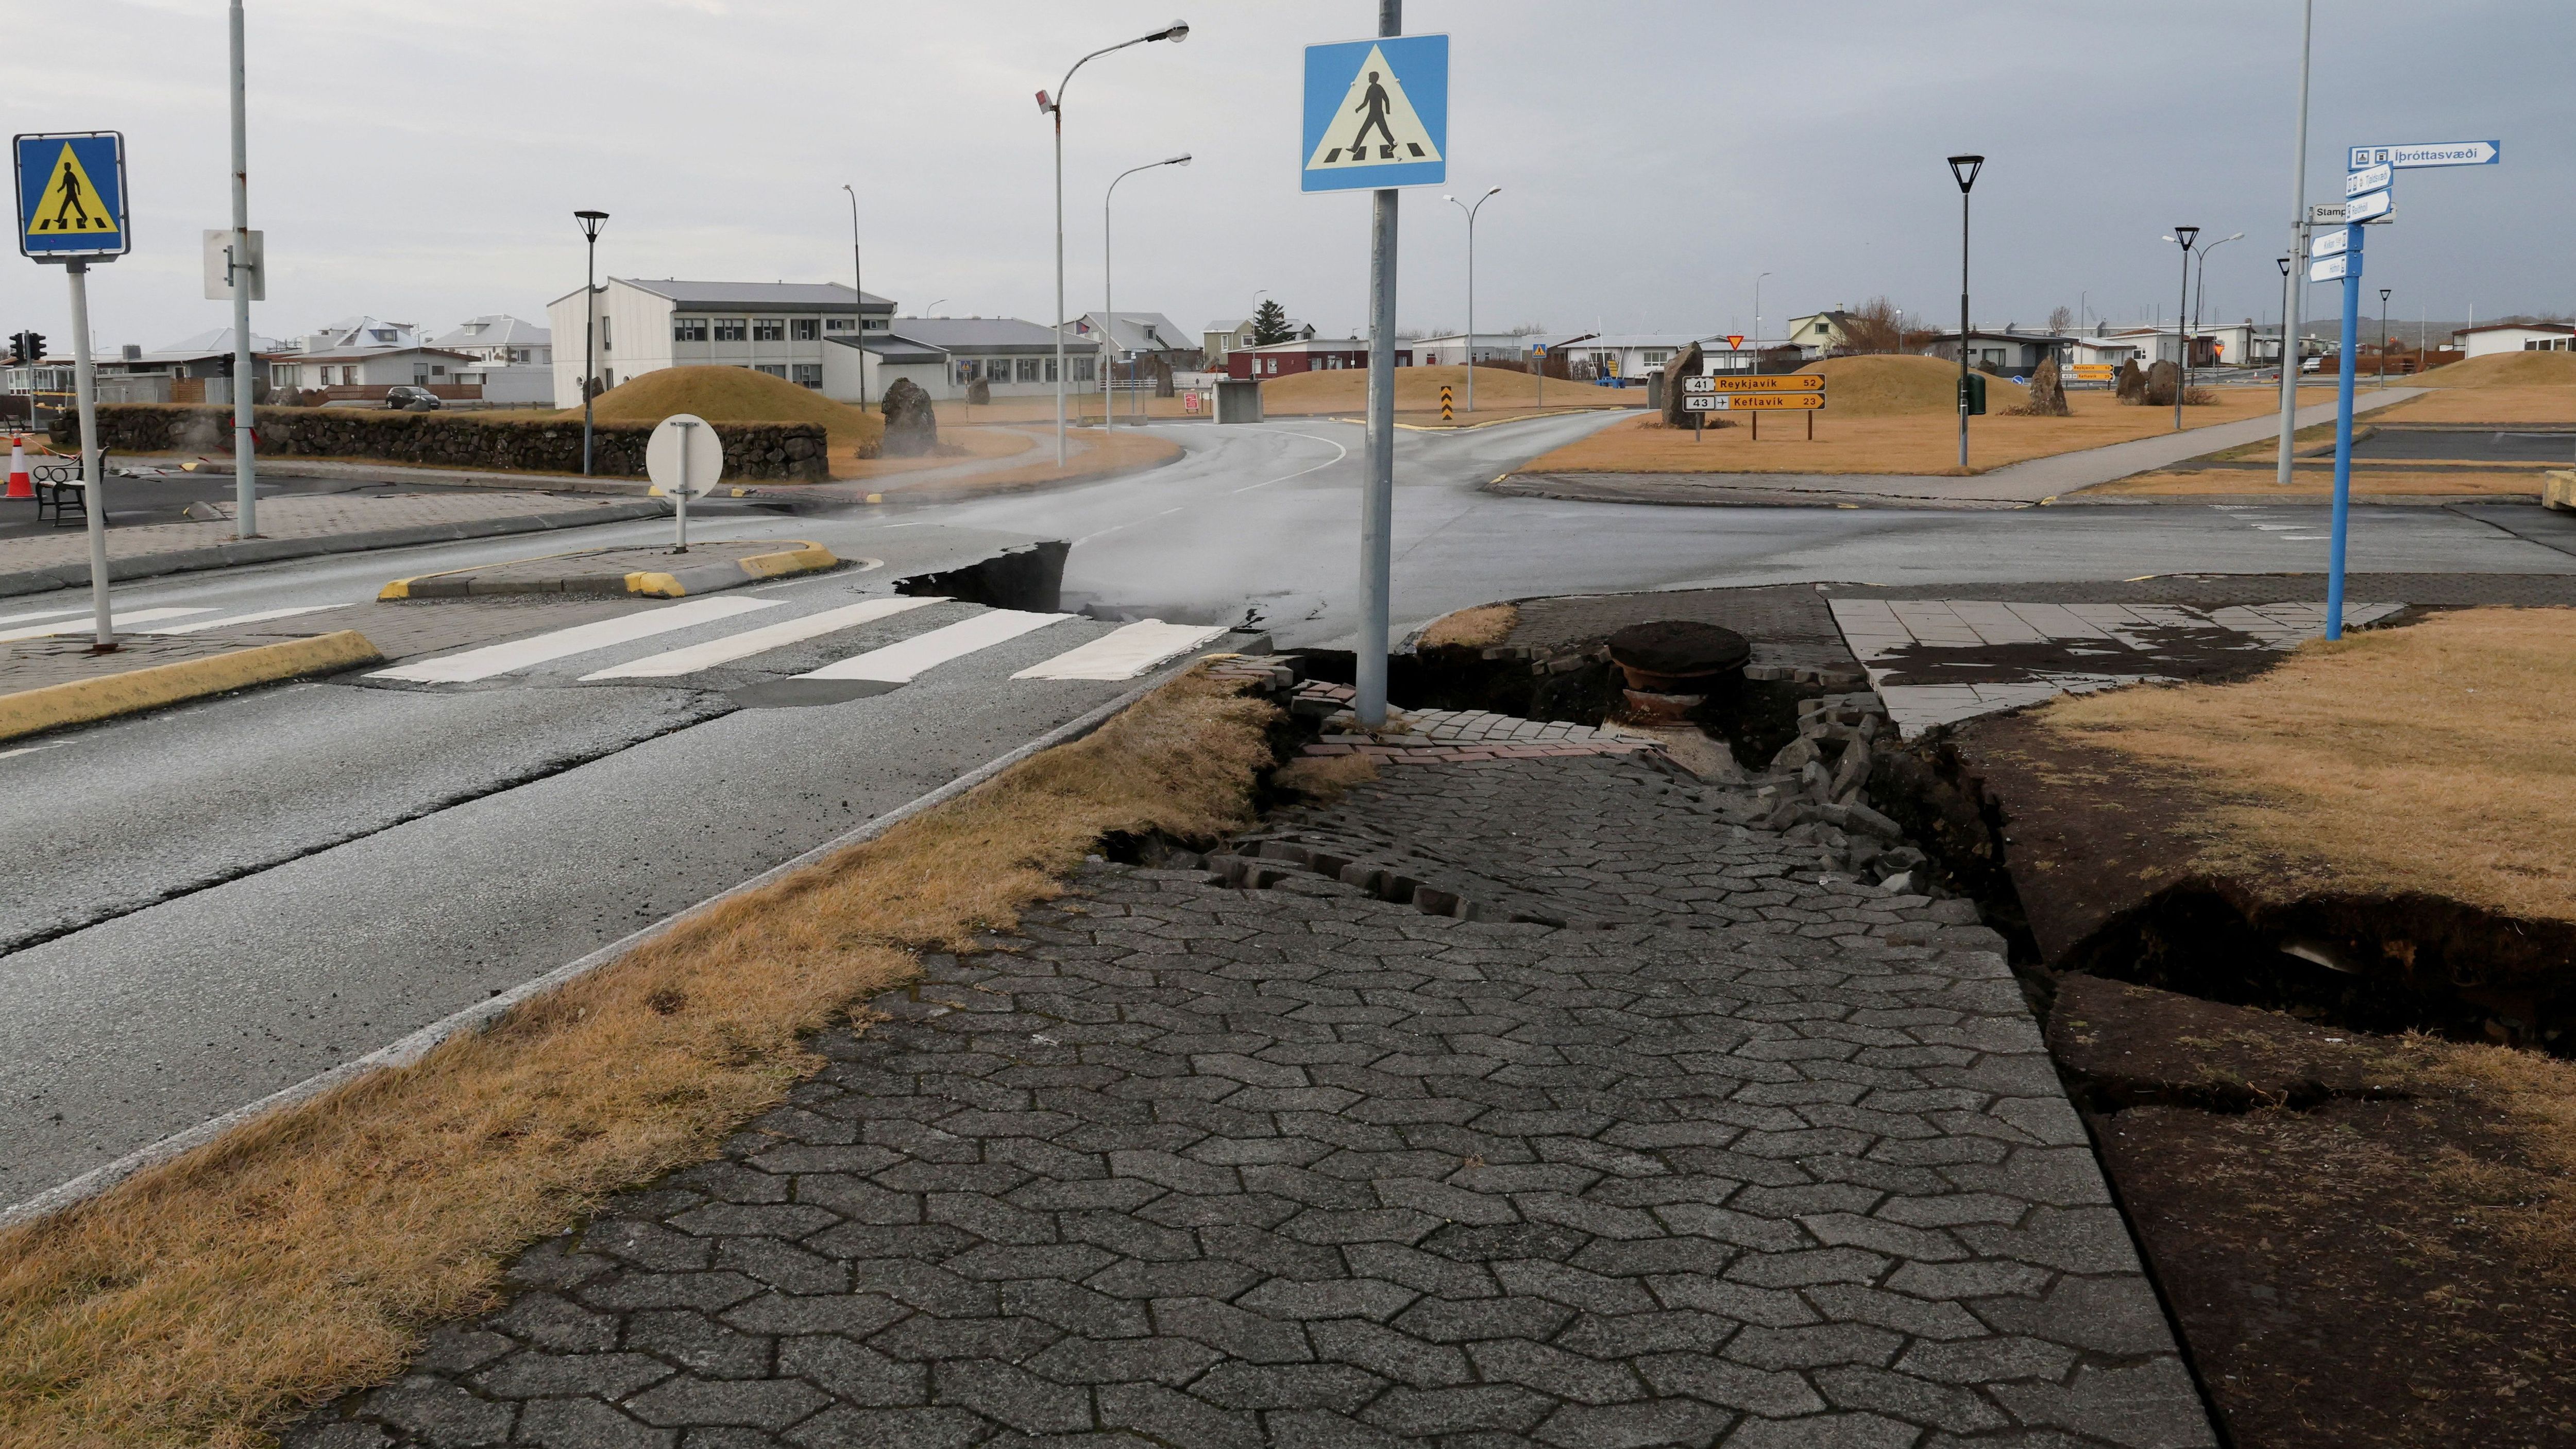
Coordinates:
(642, 325)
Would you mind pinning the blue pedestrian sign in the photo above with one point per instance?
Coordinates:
(1377, 114)
(71, 196)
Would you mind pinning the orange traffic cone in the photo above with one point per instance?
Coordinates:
(22, 484)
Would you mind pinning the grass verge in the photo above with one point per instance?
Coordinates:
(2308, 481)
(2438, 758)
(197, 1303)
(1475, 628)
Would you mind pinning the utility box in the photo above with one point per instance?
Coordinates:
(1655, 390)
(1238, 401)
(1972, 395)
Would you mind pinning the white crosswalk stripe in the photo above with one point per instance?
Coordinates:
(498, 659)
(198, 626)
(756, 641)
(1125, 652)
(901, 663)
(73, 626)
(7, 620)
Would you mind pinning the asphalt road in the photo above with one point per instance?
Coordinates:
(220, 900)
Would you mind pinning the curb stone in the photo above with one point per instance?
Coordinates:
(84, 701)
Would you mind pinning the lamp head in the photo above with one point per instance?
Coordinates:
(1182, 159)
(2285, 265)
(1964, 170)
(1178, 30)
(2384, 291)
(590, 222)
(2186, 235)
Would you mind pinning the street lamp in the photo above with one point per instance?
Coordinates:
(2383, 334)
(1108, 312)
(858, 293)
(1896, 348)
(1964, 169)
(1178, 30)
(2184, 235)
(590, 221)
(2199, 294)
(1757, 317)
(1471, 284)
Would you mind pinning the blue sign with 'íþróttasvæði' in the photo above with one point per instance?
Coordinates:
(71, 196)
(1377, 114)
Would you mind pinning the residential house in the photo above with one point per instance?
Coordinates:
(514, 358)
(2515, 337)
(196, 369)
(945, 356)
(642, 325)
(1220, 339)
(1311, 354)
(366, 372)
(1821, 334)
(2213, 344)
(1451, 349)
(1616, 357)
(1141, 334)
(2014, 353)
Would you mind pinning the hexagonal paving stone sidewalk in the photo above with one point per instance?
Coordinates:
(1189, 1165)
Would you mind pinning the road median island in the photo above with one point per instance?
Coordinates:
(2310, 938)
(104, 696)
(648, 571)
(303, 1252)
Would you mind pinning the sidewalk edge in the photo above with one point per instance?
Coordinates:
(84, 701)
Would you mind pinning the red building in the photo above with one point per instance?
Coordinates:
(1320, 354)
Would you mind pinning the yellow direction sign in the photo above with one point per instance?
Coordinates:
(1782, 382)
(1741, 402)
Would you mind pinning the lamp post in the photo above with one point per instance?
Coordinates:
(1964, 169)
(2292, 294)
(2383, 334)
(2199, 294)
(245, 379)
(1108, 311)
(1053, 106)
(591, 221)
(1471, 284)
(858, 292)
(1897, 347)
(2184, 235)
(1757, 319)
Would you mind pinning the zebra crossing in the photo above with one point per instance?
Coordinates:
(742, 636)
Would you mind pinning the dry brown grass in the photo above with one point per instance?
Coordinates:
(1894, 387)
(1474, 628)
(2491, 404)
(2309, 482)
(1325, 778)
(2504, 369)
(2439, 758)
(300, 1256)
(733, 395)
(957, 445)
(1921, 444)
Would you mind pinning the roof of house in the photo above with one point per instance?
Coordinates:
(985, 334)
(367, 354)
(2514, 327)
(775, 296)
(218, 343)
(1137, 331)
(361, 332)
(894, 350)
(498, 329)
(1322, 344)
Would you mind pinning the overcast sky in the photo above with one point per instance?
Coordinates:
(421, 161)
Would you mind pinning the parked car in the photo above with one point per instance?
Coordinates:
(412, 399)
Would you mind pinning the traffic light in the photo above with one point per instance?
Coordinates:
(17, 349)
(35, 346)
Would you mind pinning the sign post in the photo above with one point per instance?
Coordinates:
(684, 458)
(1377, 118)
(72, 209)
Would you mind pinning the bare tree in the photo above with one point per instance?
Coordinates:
(1871, 327)
(2060, 319)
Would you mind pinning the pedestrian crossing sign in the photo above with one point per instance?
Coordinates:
(71, 196)
(1377, 113)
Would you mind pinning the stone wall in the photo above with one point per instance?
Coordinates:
(753, 451)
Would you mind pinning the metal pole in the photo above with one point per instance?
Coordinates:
(1963, 327)
(589, 341)
(1377, 500)
(2182, 312)
(1471, 305)
(2383, 335)
(859, 291)
(1057, 110)
(2293, 292)
(2343, 435)
(245, 461)
(685, 429)
(93, 492)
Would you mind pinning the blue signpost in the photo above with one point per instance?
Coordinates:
(1377, 118)
(72, 210)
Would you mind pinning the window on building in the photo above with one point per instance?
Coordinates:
(1050, 369)
(774, 369)
(437, 370)
(836, 324)
(1031, 368)
(1655, 357)
(608, 376)
(603, 334)
(997, 370)
(807, 329)
(806, 374)
(729, 329)
(768, 329)
(688, 329)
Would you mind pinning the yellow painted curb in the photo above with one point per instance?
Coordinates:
(654, 585)
(83, 700)
(803, 558)
(401, 588)
(2559, 492)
